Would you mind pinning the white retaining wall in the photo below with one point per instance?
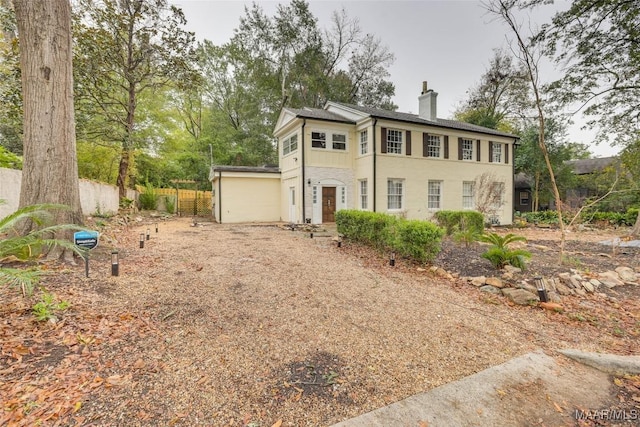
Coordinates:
(94, 196)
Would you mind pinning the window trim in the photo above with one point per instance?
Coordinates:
(439, 194)
(471, 197)
(398, 145)
(431, 146)
(363, 144)
(401, 195)
(286, 144)
(469, 151)
(363, 184)
(496, 148)
(329, 140)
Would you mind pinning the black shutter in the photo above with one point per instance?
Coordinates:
(506, 153)
(490, 151)
(459, 148)
(446, 146)
(383, 140)
(425, 144)
(408, 149)
(478, 147)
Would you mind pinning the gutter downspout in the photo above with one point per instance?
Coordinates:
(220, 196)
(375, 122)
(304, 212)
(513, 184)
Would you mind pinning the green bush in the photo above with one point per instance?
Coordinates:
(170, 204)
(453, 221)
(541, 217)
(149, 198)
(627, 218)
(29, 247)
(418, 240)
(499, 253)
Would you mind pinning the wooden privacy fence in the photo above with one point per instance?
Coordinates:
(188, 202)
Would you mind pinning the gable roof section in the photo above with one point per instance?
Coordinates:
(319, 114)
(586, 166)
(414, 118)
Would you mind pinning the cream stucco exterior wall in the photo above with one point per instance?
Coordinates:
(247, 197)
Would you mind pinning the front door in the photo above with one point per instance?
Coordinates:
(328, 204)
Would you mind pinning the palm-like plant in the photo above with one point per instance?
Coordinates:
(499, 253)
(14, 247)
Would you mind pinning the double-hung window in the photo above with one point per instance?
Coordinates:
(434, 195)
(364, 191)
(339, 141)
(395, 194)
(467, 149)
(318, 139)
(468, 194)
(496, 152)
(433, 146)
(290, 144)
(364, 142)
(394, 141)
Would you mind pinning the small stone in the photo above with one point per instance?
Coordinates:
(478, 281)
(490, 289)
(562, 289)
(507, 276)
(581, 292)
(595, 282)
(529, 287)
(602, 254)
(554, 297)
(610, 279)
(627, 274)
(420, 270)
(494, 281)
(588, 286)
(511, 269)
(520, 296)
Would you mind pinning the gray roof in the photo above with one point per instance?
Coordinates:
(251, 169)
(586, 166)
(319, 114)
(414, 118)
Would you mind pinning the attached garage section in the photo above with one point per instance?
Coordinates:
(246, 194)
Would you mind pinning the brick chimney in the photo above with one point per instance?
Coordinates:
(428, 103)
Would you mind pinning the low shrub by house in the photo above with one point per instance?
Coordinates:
(414, 239)
(453, 221)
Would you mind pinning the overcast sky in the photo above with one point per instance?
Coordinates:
(447, 43)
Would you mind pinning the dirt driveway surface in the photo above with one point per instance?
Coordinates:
(248, 325)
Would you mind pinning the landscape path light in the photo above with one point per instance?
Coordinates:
(148, 234)
(141, 240)
(392, 259)
(115, 264)
(542, 291)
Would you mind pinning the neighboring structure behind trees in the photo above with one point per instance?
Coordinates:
(348, 156)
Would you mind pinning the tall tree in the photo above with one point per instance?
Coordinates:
(10, 81)
(50, 170)
(597, 42)
(123, 49)
(502, 98)
(529, 58)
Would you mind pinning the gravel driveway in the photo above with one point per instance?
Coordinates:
(253, 324)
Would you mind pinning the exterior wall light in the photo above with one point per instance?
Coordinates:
(115, 265)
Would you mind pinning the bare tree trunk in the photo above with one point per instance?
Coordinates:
(503, 8)
(50, 170)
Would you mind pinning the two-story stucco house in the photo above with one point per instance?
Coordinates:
(347, 156)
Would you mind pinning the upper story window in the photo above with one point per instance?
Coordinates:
(394, 141)
(496, 152)
(338, 140)
(318, 139)
(364, 142)
(289, 145)
(433, 146)
(467, 149)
